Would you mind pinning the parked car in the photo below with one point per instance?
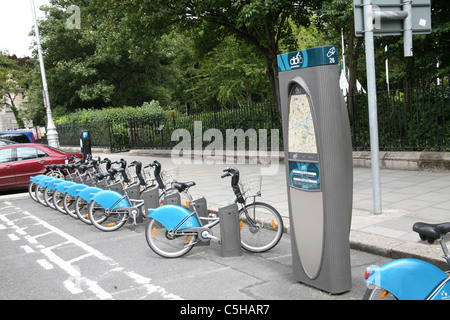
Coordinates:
(19, 162)
(20, 136)
(4, 142)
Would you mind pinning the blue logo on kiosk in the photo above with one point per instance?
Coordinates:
(308, 58)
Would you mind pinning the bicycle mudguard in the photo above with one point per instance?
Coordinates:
(63, 186)
(35, 179)
(72, 191)
(51, 184)
(170, 216)
(108, 198)
(87, 193)
(41, 179)
(407, 279)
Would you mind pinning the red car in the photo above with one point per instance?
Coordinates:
(19, 162)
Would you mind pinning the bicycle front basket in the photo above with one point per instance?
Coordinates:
(251, 186)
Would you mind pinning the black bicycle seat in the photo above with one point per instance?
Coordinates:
(181, 186)
(431, 232)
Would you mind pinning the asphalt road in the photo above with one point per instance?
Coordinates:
(51, 256)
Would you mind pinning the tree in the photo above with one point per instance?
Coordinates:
(261, 23)
(230, 73)
(94, 65)
(14, 80)
(335, 17)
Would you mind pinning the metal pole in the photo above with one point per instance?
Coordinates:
(52, 134)
(372, 101)
(407, 26)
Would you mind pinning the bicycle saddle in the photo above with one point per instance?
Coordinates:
(431, 232)
(181, 186)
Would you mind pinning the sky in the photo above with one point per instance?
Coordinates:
(16, 22)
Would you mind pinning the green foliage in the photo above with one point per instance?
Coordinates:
(14, 81)
(112, 114)
(202, 52)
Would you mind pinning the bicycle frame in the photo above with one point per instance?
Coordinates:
(411, 279)
(181, 222)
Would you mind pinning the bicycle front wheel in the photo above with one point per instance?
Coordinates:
(261, 227)
(166, 244)
(106, 220)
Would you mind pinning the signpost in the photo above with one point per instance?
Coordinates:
(382, 18)
(52, 134)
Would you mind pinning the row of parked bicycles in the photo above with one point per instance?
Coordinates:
(108, 194)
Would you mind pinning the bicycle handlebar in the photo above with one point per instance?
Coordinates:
(234, 174)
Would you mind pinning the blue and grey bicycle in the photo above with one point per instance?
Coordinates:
(172, 231)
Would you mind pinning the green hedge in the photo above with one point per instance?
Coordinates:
(112, 114)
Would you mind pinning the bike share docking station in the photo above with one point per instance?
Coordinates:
(319, 167)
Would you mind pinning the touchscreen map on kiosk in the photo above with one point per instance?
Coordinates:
(302, 142)
(302, 136)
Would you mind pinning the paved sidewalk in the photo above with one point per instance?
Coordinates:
(407, 197)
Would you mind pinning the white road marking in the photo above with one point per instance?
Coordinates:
(45, 264)
(76, 281)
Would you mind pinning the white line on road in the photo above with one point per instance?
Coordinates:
(45, 264)
(76, 280)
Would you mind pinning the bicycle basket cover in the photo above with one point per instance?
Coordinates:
(171, 215)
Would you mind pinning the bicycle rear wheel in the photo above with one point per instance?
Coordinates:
(58, 201)
(261, 227)
(378, 293)
(69, 205)
(106, 220)
(163, 243)
(81, 210)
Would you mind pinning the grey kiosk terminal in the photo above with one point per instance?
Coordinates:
(319, 167)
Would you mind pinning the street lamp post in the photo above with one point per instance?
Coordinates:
(52, 134)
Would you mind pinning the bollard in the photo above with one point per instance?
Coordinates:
(230, 235)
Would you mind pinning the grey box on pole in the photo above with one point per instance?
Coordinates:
(151, 198)
(230, 234)
(133, 191)
(319, 167)
(200, 205)
(172, 198)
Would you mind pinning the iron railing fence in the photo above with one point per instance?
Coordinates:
(410, 118)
